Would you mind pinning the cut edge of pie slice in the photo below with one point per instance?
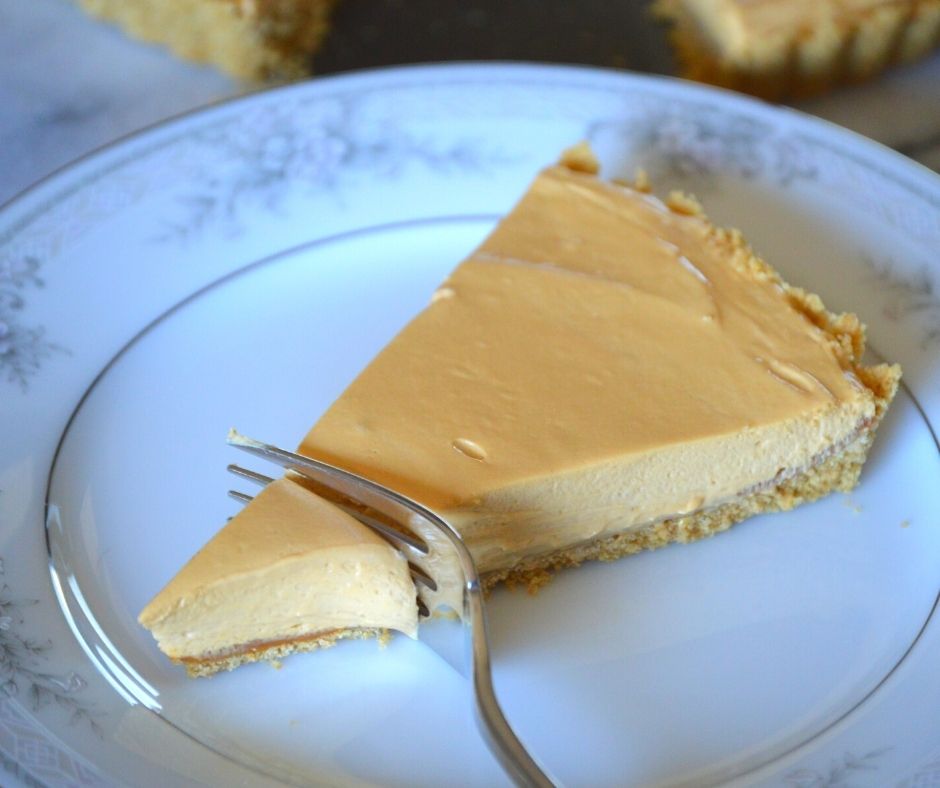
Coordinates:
(835, 470)
(291, 572)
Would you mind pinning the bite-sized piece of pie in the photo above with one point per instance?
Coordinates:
(605, 373)
(776, 48)
(291, 572)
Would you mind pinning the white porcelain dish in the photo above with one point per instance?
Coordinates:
(238, 266)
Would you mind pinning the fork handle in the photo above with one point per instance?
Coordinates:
(497, 733)
(496, 730)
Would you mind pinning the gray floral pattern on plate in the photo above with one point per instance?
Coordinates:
(908, 295)
(708, 142)
(21, 668)
(248, 165)
(23, 348)
(242, 164)
(839, 774)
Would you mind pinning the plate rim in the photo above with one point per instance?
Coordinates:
(316, 82)
(538, 74)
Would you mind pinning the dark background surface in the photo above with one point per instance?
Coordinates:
(69, 83)
(611, 33)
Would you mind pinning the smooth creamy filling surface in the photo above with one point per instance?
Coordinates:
(598, 362)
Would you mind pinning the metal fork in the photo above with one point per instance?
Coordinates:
(444, 573)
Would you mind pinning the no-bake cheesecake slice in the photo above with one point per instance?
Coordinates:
(607, 372)
(776, 48)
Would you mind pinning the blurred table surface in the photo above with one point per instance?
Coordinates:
(70, 84)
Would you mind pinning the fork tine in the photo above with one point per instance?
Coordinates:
(418, 575)
(422, 577)
(399, 538)
(246, 473)
(392, 534)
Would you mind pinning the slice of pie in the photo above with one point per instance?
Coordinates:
(257, 40)
(776, 48)
(605, 373)
(290, 573)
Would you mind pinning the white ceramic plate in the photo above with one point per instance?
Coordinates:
(238, 267)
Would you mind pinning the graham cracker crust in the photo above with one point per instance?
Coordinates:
(275, 650)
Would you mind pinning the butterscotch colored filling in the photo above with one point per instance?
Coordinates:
(290, 567)
(600, 362)
(605, 373)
